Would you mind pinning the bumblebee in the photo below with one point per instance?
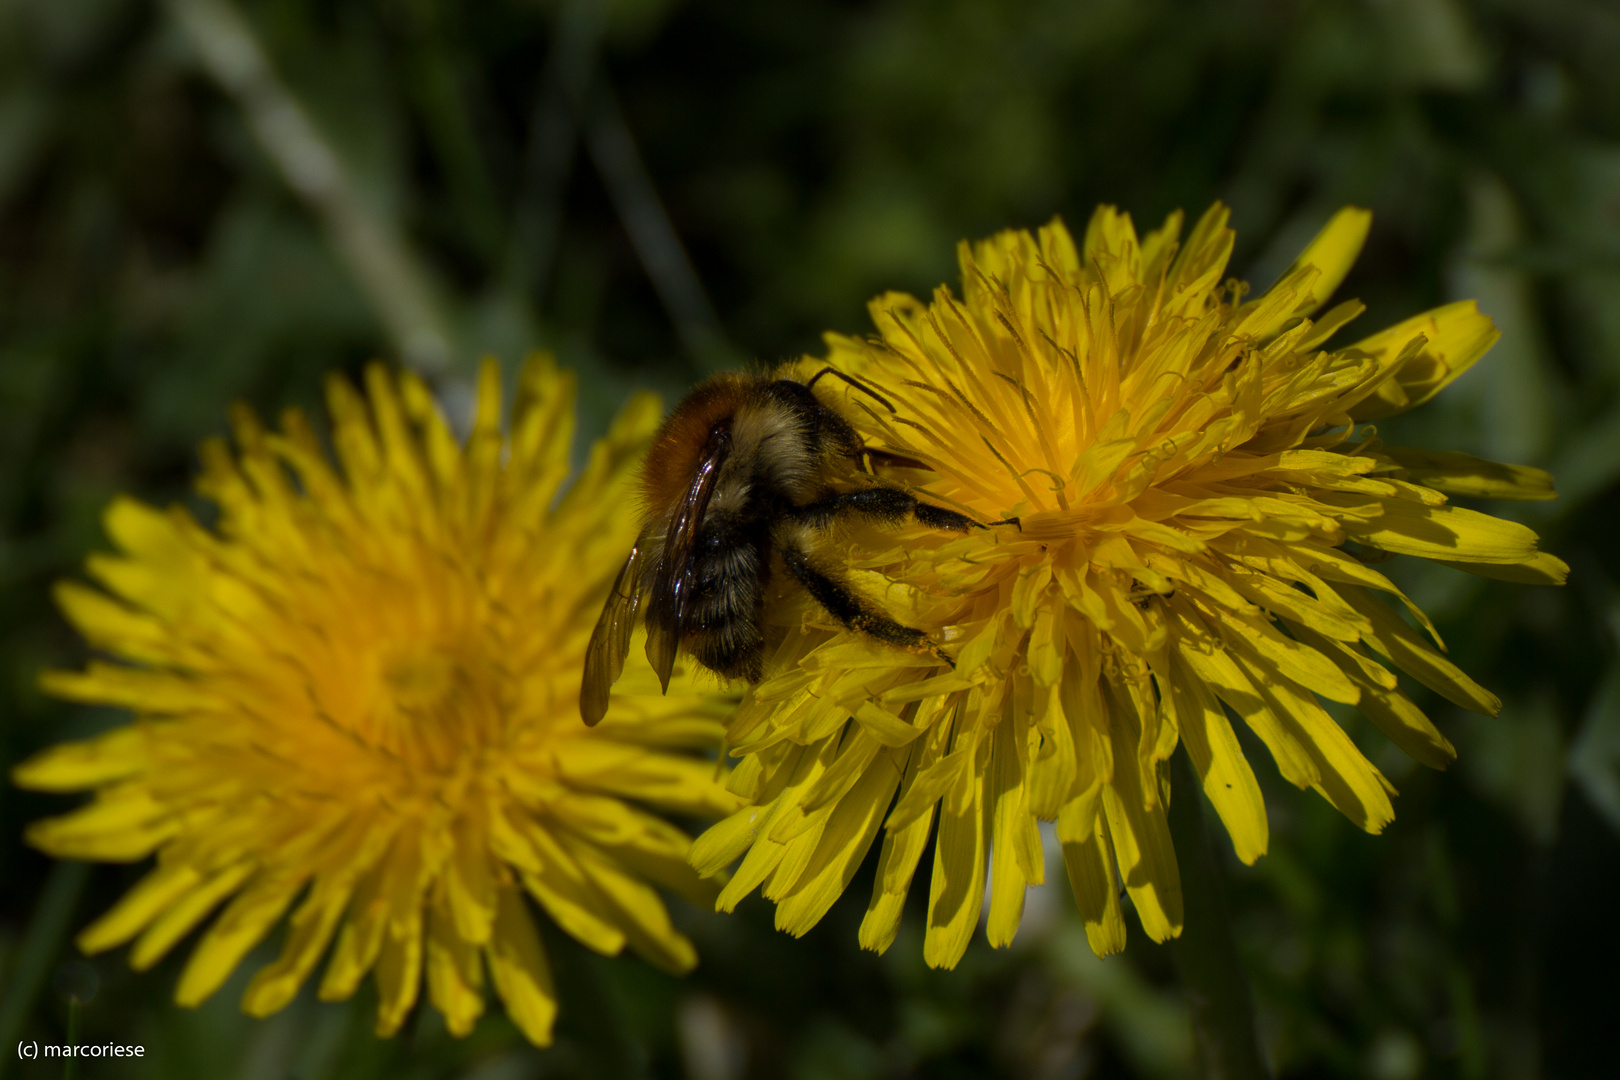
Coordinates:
(739, 479)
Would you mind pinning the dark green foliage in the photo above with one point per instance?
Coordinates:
(750, 174)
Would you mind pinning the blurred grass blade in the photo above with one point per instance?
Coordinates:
(1594, 757)
(552, 141)
(27, 112)
(438, 84)
(1589, 462)
(662, 255)
(1516, 402)
(374, 253)
(41, 943)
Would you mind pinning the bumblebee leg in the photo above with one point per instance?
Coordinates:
(851, 380)
(870, 457)
(843, 604)
(888, 505)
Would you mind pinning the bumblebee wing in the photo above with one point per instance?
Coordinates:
(673, 580)
(610, 641)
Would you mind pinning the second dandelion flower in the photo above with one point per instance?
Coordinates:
(355, 699)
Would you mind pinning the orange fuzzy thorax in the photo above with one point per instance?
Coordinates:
(677, 449)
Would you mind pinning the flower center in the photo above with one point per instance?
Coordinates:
(433, 701)
(421, 679)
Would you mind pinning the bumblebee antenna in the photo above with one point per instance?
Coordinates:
(853, 381)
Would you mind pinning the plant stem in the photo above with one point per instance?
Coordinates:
(72, 1067)
(41, 945)
(1212, 975)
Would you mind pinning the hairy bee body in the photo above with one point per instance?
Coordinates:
(778, 447)
(739, 478)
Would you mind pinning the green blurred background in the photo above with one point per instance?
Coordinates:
(210, 200)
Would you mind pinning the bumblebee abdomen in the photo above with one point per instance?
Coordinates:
(720, 619)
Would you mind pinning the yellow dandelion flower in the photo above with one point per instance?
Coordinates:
(356, 698)
(1199, 500)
